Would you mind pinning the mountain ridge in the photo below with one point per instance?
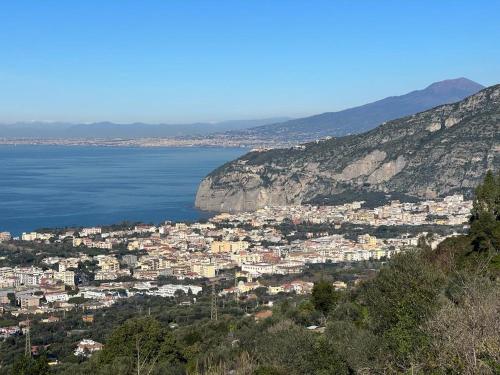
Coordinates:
(365, 117)
(440, 151)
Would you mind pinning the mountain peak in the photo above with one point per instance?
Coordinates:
(368, 116)
(461, 83)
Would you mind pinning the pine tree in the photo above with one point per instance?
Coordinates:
(324, 296)
(485, 219)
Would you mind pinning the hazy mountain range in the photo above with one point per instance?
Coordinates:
(365, 117)
(43, 130)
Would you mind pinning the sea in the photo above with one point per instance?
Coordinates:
(45, 186)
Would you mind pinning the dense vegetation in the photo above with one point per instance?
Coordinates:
(305, 230)
(425, 312)
(372, 199)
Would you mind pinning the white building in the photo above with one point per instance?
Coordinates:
(57, 297)
(169, 290)
(86, 347)
(90, 231)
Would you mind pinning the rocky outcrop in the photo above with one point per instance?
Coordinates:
(434, 153)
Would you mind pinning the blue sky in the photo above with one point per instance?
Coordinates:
(183, 60)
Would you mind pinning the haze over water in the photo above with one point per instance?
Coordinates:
(58, 186)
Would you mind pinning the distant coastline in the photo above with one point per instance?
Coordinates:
(202, 142)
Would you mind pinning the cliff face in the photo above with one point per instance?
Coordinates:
(434, 153)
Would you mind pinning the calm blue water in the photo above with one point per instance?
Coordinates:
(57, 186)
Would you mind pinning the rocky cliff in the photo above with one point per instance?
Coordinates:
(434, 153)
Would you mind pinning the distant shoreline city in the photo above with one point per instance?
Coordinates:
(212, 142)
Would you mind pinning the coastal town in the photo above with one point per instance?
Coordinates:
(213, 140)
(107, 265)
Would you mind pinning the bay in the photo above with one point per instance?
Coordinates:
(59, 186)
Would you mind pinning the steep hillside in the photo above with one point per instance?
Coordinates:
(444, 150)
(359, 119)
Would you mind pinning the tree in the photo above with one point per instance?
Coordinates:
(485, 218)
(12, 298)
(179, 294)
(351, 344)
(287, 348)
(141, 344)
(306, 314)
(77, 300)
(399, 300)
(324, 296)
(465, 331)
(29, 366)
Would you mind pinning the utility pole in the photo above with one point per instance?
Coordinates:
(213, 307)
(27, 344)
(235, 288)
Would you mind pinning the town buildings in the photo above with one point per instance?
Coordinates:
(254, 243)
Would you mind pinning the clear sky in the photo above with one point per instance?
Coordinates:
(184, 60)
